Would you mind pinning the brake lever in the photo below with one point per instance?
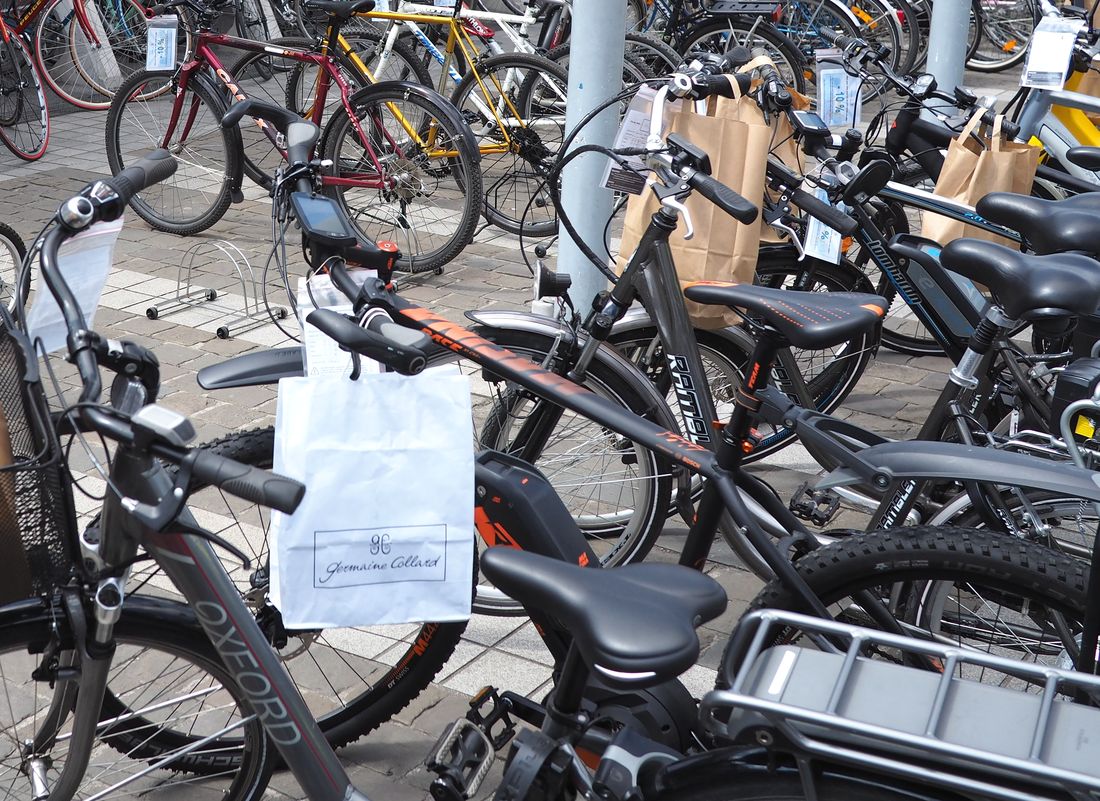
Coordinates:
(673, 202)
(776, 218)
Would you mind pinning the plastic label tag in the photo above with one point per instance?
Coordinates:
(822, 242)
(322, 354)
(839, 102)
(84, 261)
(160, 34)
(633, 133)
(1049, 53)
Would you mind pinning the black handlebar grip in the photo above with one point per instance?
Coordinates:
(403, 358)
(250, 483)
(834, 38)
(830, 215)
(723, 197)
(398, 335)
(704, 86)
(152, 169)
(736, 56)
(342, 280)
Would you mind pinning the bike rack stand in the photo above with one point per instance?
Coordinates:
(190, 295)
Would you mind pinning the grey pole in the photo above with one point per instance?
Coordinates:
(947, 42)
(595, 74)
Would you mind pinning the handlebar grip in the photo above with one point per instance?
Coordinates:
(707, 85)
(834, 38)
(152, 169)
(250, 483)
(830, 215)
(397, 355)
(723, 197)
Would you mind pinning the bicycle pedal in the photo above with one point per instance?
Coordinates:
(462, 758)
(815, 506)
(496, 715)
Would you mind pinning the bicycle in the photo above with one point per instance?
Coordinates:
(24, 116)
(403, 162)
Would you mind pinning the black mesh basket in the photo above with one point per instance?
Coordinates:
(37, 521)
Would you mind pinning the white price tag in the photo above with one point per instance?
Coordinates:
(839, 102)
(84, 261)
(323, 355)
(822, 242)
(1049, 53)
(160, 40)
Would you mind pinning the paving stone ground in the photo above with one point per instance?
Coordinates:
(892, 398)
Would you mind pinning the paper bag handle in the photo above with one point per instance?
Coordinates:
(969, 128)
(995, 141)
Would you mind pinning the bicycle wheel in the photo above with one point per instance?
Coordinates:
(515, 105)
(200, 191)
(251, 20)
(24, 117)
(1006, 29)
(85, 61)
(12, 251)
(976, 589)
(354, 679)
(634, 69)
(405, 172)
(167, 688)
(618, 491)
(879, 25)
(719, 35)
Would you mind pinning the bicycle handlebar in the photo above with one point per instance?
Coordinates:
(830, 215)
(379, 340)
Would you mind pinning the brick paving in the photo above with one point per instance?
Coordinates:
(892, 398)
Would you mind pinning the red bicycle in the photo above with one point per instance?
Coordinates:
(24, 117)
(404, 164)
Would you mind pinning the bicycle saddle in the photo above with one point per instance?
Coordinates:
(341, 9)
(811, 320)
(1049, 226)
(1087, 158)
(633, 625)
(1024, 283)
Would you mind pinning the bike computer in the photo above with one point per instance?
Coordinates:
(322, 220)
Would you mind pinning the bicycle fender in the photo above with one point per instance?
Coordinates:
(253, 369)
(656, 404)
(218, 92)
(35, 609)
(908, 460)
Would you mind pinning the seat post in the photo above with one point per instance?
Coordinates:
(736, 440)
(565, 701)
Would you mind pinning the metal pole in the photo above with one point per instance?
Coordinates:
(947, 42)
(595, 74)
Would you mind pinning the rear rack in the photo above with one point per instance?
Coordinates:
(930, 726)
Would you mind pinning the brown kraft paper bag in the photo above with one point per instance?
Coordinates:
(735, 136)
(971, 171)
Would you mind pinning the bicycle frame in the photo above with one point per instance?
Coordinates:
(1057, 120)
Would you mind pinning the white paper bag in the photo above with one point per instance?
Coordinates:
(385, 533)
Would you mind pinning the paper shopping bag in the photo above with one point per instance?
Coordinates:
(972, 170)
(735, 136)
(385, 532)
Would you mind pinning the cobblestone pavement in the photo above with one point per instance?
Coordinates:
(892, 398)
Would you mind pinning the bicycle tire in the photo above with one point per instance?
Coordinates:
(251, 21)
(159, 668)
(515, 199)
(921, 567)
(626, 531)
(12, 253)
(909, 33)
(878, 24)
(135, 126)
(655, 53)
(1012, 37)
(720, 34)
(634, 69)
(24, 115)
(449, 169)
(411, 661)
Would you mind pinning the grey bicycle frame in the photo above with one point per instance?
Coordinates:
(1037, 120)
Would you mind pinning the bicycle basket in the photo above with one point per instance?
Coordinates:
(36, 509)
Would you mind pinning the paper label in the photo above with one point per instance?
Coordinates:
(323, 355)
(822, 242)
(84, 262)
(160, 53)
(839, 102)
(1049, 53)
(633, 133)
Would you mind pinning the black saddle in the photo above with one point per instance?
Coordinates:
(1023, 283)
(633, 625)
(810, 320)
(341, 9)
(1048, 226)
(1087, 158)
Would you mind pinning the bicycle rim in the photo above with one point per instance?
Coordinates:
(24, 116)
